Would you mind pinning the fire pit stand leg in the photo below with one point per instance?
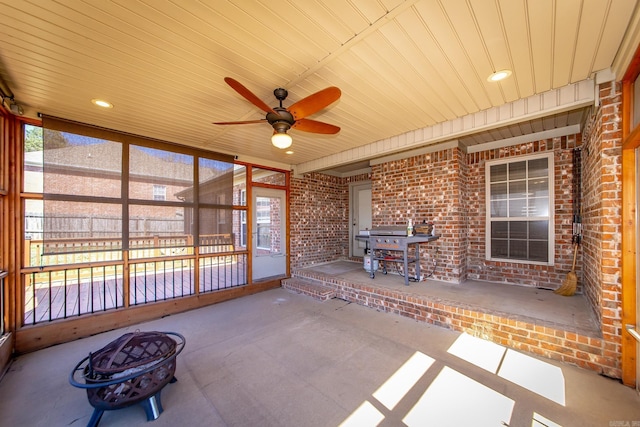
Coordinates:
(153, 405)
(95, 417)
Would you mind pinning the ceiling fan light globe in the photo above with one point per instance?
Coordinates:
(281, 140)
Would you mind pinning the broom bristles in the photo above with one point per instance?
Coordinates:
(569, 285)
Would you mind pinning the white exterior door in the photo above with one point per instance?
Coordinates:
(360, 211)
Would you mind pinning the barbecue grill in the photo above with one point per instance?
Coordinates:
(384, 240)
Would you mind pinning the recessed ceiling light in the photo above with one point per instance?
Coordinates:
(102, 103)
(499, 75)
(289, 152)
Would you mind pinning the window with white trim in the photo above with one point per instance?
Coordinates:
(243, 219)
(159, 192)
(520, 209)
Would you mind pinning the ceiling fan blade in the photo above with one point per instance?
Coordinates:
(248, 95)
(308, 125)
(244, 122)
(315, 102)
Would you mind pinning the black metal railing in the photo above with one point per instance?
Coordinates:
(63, 291)
(160, 280)
(222, 272)
(60, 293)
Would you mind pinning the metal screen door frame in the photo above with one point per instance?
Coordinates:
(269, 242)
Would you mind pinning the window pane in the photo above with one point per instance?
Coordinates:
(518, 230)
(217, 235)
(499, 248)
(538, 167)
(499, 209)
(240, 185)
(81, 166)
(33, 219)
(154, 172)
(264, 237)
(517, 189)
(156, 221)
(518, 249)
(216, 181)
(240, 229)
(539, 230)
(216, 221)
(499, 230)
(539, 187)
(81, 226)
(269, 224)
(539, 207)
(517, 170)
(517, 208)
(538, 251)
(499, 191)
(498, 173)
(33, 159)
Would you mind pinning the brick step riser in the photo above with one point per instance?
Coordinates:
(542, 340)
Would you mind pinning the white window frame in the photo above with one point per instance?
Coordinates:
(222, 215)
(159, 192)
(243, 219)
(551, 212)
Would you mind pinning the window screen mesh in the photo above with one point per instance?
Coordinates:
(100, 183)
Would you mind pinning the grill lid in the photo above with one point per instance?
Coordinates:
(389, 230)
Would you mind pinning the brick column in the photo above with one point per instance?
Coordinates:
(602, 195)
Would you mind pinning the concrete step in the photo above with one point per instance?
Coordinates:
(310, 288)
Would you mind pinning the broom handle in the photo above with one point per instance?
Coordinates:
(575, 253)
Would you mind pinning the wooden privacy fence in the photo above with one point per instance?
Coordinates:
(67, 226)
(96, 249)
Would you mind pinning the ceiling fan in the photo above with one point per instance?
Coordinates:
(282, 119)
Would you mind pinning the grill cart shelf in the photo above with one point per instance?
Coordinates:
(382, 245)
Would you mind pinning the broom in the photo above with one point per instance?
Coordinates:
(570, 282)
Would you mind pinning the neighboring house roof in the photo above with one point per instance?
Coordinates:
(105, 159)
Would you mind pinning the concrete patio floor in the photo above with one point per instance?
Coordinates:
(282, 359)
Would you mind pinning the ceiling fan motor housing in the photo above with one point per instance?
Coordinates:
(282, 121)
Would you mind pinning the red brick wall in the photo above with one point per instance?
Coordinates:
(602, 184)
(319, 216)
(428, 187)
(517, 273)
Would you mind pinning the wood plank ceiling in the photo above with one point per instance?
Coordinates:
(401, 65)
